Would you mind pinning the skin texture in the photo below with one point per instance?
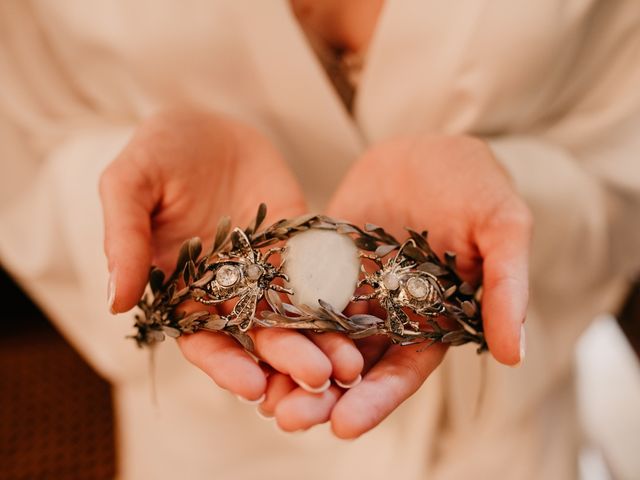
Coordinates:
(182, 170)
(453, 187)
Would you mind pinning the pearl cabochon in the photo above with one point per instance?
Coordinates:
(322, 264)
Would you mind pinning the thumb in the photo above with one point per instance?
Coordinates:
(127, 202)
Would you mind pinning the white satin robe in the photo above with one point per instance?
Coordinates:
(553, 84)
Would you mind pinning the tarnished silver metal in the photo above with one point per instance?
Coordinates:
(398, 284)
(424, 298)
(243, 274)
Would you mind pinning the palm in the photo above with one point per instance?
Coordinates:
(453, 187)
(181, 171)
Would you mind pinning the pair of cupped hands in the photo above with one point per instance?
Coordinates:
(184, 169)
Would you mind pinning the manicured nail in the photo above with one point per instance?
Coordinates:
(523, 346)
(252, 402)
(263, 415)
(111, 291)
(350, 384)
(311, 389)
(523, 343)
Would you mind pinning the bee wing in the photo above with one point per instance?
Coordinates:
(245, 309)
(241, 244)
(396, 318)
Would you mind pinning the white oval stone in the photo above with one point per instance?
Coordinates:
(322, 264)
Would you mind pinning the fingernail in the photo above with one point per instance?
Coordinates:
(350, 384)
(263, 415)
(523, 345)
(252, 402)
(325, 386)
(111, 291)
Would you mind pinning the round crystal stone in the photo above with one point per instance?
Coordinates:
(254, 271)
(417, 287)
(390, 281)
(227, 275)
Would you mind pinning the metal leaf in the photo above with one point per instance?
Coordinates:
(202, 281)
(469, 308)
(450, 291)
(457, 337)
(414, 253)
(274, 301)
(367, 332)
(171, 332)
(301, 220)
(345, 228)
(450, 260)
(195, 248)
(222, 232)
(156, 335)
(260, 216)
(381, 233)
(183, 256)
(421, 241)
(466, 289)
(288, 308)
(384, 250)
(365, 320)
(186, 273)
(216, 323)
(432, 268)
(244, 340)
(156, 279)
(366, 243)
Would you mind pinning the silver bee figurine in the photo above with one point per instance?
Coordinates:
(242, 273)
(399, 284)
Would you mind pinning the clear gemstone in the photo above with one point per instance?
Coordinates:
(227, 275)
(391, 281)
(254, 271)
(417, 287)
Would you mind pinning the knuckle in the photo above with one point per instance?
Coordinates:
(410, 368)
(522, 216)
(511, 213)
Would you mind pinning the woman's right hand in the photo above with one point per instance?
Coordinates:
(181, 171)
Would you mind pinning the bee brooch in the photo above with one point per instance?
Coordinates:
(243, 274)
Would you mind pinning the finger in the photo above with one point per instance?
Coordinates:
(127, 202)
(346, 360)
(504, 245)
(301, 410)
(220, 357)
(294, 354)
(390, 382)
(278, 386)
(372, 349)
